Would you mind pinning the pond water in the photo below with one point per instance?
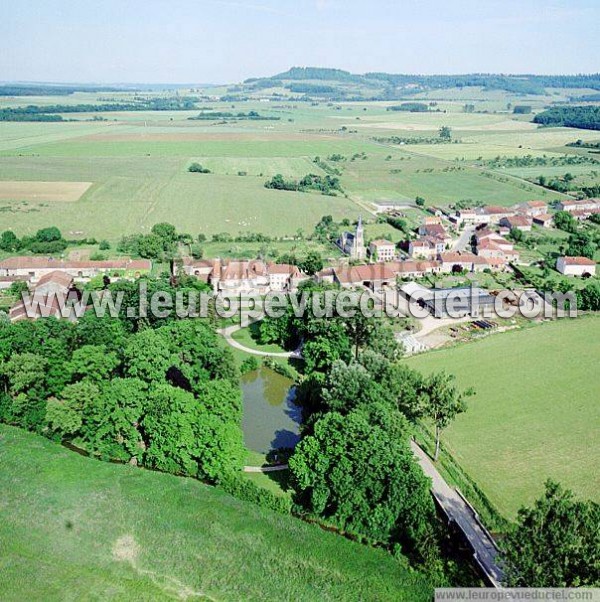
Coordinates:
(271, 418)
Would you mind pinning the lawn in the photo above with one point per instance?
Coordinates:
(74, 528)
(535, 414)
(249, 337)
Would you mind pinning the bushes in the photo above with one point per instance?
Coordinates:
(197, 168)
(249, 365)
(243, 489)
(47, 241)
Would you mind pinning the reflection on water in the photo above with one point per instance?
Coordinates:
(271, 418)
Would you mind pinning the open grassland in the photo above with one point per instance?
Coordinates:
(137, 163)
(535, 414)
(76, 528)
(389, 174)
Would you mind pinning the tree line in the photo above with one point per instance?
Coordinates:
(584, 117)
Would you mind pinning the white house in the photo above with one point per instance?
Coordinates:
(576, 266)
(382, 250)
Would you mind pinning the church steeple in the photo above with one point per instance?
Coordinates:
(359, 251)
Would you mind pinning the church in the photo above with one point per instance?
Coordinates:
(353, 243)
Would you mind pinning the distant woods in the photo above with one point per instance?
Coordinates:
(587, 118)
(53, 112)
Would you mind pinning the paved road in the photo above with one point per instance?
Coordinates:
(228, 332)
(463, 242)
(459, 512)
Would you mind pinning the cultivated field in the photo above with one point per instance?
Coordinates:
(42, 191)
(137, 163)
(535, 411)
(76, 528)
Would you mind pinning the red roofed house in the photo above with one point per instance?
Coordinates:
(246, 277)
(284, 276)
(48, 299)
(373, 276)
(428, 247)
(533, 208)
(36, 267)
(520, 222)
(497, 213)
(464, 261)
(576, 266)
(545, 220)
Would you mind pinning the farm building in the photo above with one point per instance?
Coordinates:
(450, 302)
(576, 266)
(533, 208)
(51, 293)
(453, 261)
(517, 222)
(33, 268)
(545, 220)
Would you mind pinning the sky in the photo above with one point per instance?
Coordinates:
(225, 41)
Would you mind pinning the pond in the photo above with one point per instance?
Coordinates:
(271, 418)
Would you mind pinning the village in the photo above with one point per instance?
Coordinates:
(454, 252)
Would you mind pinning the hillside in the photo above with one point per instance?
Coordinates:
(75, 528)
(337, 84)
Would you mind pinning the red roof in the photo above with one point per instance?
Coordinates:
(578, 261)
(40, 263)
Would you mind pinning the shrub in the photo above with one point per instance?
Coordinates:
(243, 489)
(249, 365)
(197, 168)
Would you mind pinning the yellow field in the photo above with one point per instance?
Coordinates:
(67, 192)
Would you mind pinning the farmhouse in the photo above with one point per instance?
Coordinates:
(518, 222)
(427, 248)
(591, 205)
(284, 276)
(453, 261)
(496, 250)
(545, 220)
(50, 294)
(415, 269)
(382, 250)
(576, 266)
(470, 217)
(372, 276)
(497, 213)
(533, 208)
(35, 267)
(435, 231)
(244, 277)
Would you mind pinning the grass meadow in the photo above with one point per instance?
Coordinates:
(137, 164)
(534, 412)
(76, 528)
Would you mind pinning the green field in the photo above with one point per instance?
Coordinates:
(535, 410)
(137, 163)
(72, 528)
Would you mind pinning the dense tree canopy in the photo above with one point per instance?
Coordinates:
(164, 397)
(358, 472)
(556, 543)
